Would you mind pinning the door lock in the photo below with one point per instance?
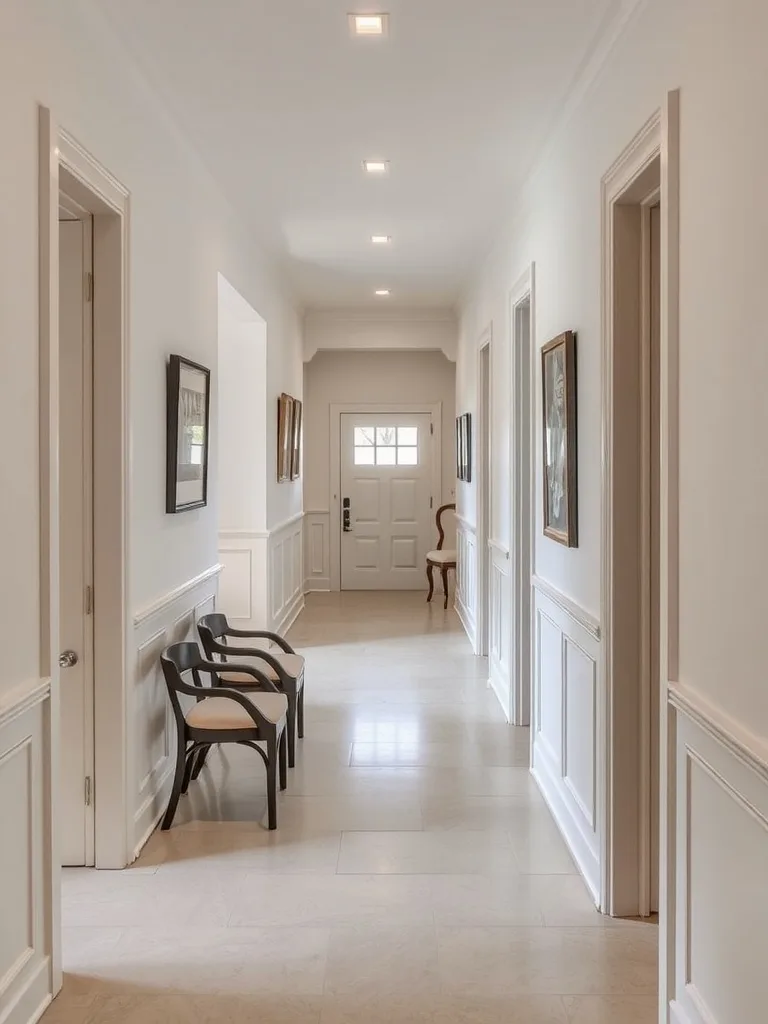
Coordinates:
(67, 659)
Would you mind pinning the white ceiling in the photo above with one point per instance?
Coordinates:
(283, 106)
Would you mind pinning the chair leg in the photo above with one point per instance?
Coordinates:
(300, 713)
(190, 765)
(272, 781)
(444, 572)
(291, 728)
(178, 780)
(431, 578)
(283, 747)
(202, 757)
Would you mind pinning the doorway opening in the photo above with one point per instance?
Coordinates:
(484, 495)
(521, 493)
(631, 614)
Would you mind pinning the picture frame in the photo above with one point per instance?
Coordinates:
(284, 437)
(188, 407)
(464, 447)
(559, 449)
(296, 439)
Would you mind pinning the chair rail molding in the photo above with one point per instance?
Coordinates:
(161, 603)
(580, 615)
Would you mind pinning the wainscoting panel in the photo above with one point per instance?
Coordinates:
(466, 578)
(565, 722)
(720, 908)
(317, 551)
(243, 584)
(286, 573)
(152, 748)
(24, 956)
(500, 628)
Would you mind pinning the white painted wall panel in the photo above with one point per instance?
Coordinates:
(579, 734)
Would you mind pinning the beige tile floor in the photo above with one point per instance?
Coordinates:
(416, 876)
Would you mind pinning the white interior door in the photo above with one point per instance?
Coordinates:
(75, 812)
(386, 519)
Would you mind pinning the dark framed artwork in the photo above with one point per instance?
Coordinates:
(464, 447)
(284, 437)
(558, 376)
(296, 439)
(188, 410)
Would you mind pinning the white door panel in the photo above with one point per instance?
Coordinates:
(75, 514)
(386, 474)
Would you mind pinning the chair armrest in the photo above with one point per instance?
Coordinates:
(257, 653)
(219, 668)
(262, 634)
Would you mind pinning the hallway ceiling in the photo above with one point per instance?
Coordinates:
(283, 106)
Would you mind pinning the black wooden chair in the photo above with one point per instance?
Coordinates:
(222, 714)
(284, 667)
(441, 558)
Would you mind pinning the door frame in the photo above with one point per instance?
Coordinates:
(433, 409)
(523, 497)
(484, 529)
(99, 192)
(623, 781)
(80, 213)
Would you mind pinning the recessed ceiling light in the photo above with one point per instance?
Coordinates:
(368, 24)
(376, 166)
(382, 292)
(381, 239)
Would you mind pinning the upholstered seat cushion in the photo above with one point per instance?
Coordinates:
(225, 713)
(441, 557)
(292, 663)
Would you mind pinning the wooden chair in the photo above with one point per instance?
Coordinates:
(441, 558)
(222, 714)
(284, 667)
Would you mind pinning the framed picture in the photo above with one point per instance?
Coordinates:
(284, 437)
(464, 447)
(296, 439)
(558, 375)
(188, 409)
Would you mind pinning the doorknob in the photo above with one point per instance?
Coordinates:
(67, 659)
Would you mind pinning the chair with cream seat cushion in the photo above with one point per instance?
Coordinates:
(223, 714)
(441, 558)
(279, 662)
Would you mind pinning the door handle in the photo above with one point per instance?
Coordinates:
(345, 514)
(67, 659)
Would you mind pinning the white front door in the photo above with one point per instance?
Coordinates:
(75, 811)
(386, 475)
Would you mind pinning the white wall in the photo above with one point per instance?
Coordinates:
(182, 233)
(714, 51)
(368, 378)
(354, 330)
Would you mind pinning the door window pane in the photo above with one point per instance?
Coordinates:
(365, 456)
(365, 435)
(386, 436)
(385, 456)
(407, 456)
(408, 436)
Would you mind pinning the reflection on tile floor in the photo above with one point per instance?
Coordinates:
(416, 875)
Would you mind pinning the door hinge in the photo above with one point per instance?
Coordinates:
(89, 287)
(430, 503)
(88, 600)
(88, 791)
(431, 428)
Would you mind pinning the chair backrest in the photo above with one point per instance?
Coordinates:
(213, 629)
(175, 661)
(439, 523)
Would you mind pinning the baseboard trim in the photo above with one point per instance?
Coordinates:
(317, 585)
(33, 999)
(164, 602)
(466, 621)
(585, 860)
(288, 619)
(151, 811)
(496, 684)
